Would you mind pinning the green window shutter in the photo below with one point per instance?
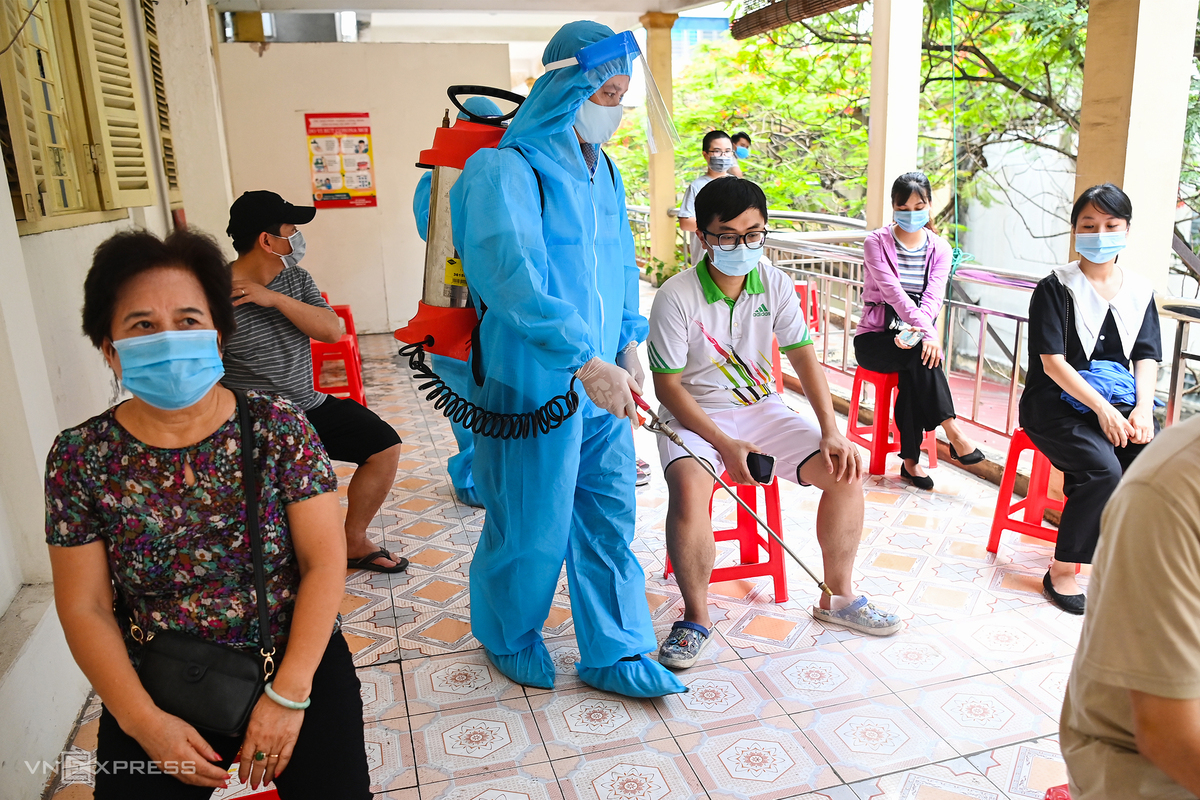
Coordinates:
(120, 145)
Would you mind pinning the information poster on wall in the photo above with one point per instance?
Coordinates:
(341, 158)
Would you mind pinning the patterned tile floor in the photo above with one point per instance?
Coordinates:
(962, 704)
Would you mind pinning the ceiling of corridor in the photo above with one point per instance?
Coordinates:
(573, 9)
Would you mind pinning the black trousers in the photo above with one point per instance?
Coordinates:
(923, 399)
(329, 759)
(1091, 467)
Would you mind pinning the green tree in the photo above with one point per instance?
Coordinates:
(995, 72)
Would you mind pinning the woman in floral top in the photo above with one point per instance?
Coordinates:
(146, 500)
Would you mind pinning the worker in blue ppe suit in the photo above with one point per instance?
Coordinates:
(550, 254)
(455, 373)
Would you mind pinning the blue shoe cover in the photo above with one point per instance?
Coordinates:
(642, 678)
(529, 667)
(468, 496)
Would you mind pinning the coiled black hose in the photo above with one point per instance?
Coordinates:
(491, 424)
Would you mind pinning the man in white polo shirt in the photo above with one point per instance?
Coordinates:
(712, 328)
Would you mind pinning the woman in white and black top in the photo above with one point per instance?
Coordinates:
(1083, 313)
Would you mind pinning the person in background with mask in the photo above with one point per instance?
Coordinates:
(906, 266)
(712, 329)
(1094, 348)
(541, 225)
(277, 308)
(718, 153)
(741, 151)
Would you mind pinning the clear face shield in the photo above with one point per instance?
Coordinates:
(624, 48)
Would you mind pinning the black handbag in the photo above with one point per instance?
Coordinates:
(891, 320)
(211, 686)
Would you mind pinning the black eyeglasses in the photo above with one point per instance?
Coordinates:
(729, 241)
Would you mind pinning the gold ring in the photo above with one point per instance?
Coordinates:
(275, 755)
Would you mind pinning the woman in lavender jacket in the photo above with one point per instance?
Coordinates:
(904, 281)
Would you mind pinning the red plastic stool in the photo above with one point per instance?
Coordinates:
(776, 366)
(809, 305)
(342, 350)
(347, 317)
(881, 436)
(751, 539)
(1036, 500)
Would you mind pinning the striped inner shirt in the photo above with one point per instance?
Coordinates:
(267, 352)
(912, 265)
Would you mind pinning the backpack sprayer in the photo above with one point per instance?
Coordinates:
(656, 425)
(446, 324)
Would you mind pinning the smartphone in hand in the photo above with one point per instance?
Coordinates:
(911, 337)
(761, 466)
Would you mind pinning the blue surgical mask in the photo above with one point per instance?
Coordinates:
(296, 240)
(737, 262)
(595, 123)
(170, 370)
(742, 152)
(720, 163)
(1100, 248)
(911, 221)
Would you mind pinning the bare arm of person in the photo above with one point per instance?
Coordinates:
(816, 391)
(315, 322)
(669, 389)
(687, 224)
(1116, 428)
(1167, 732)
(320, 545)
(84, 599)
(1145, 376)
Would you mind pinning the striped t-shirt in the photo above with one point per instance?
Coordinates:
(267, 352)
(911, 264)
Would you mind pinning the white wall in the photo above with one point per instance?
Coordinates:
(369, 258)
(80, 381)
(197, 122)
(31, 422)
(41, 694)
(51, 378)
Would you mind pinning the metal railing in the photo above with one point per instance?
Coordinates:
(830, 257)
(781, 221)
(825, 251)
(836, 271)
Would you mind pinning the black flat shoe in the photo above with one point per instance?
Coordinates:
(924, 482)
(1070, 603)
(974, 457)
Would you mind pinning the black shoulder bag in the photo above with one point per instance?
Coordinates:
(211, 686)
(891, 320)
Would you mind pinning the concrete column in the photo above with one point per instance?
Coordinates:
(662, 163)
(32, 423)
(895, 94)
(1136, 72)
(197, 119)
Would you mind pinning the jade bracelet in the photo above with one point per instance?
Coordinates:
(283, 701)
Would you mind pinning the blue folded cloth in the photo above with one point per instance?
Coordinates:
(1114, 382)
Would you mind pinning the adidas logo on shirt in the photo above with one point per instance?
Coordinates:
(762, 311)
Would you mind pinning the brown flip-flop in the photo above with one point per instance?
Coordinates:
(368, 562)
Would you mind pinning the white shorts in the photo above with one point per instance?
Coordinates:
(792, 437)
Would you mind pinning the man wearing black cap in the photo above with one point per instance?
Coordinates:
(277, 308)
